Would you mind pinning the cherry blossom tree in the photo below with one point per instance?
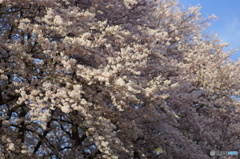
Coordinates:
(114, 79)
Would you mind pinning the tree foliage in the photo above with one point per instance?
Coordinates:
(114, 79)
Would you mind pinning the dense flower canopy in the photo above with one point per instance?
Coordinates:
(114, 79)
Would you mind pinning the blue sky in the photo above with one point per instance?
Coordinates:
(228, 24)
